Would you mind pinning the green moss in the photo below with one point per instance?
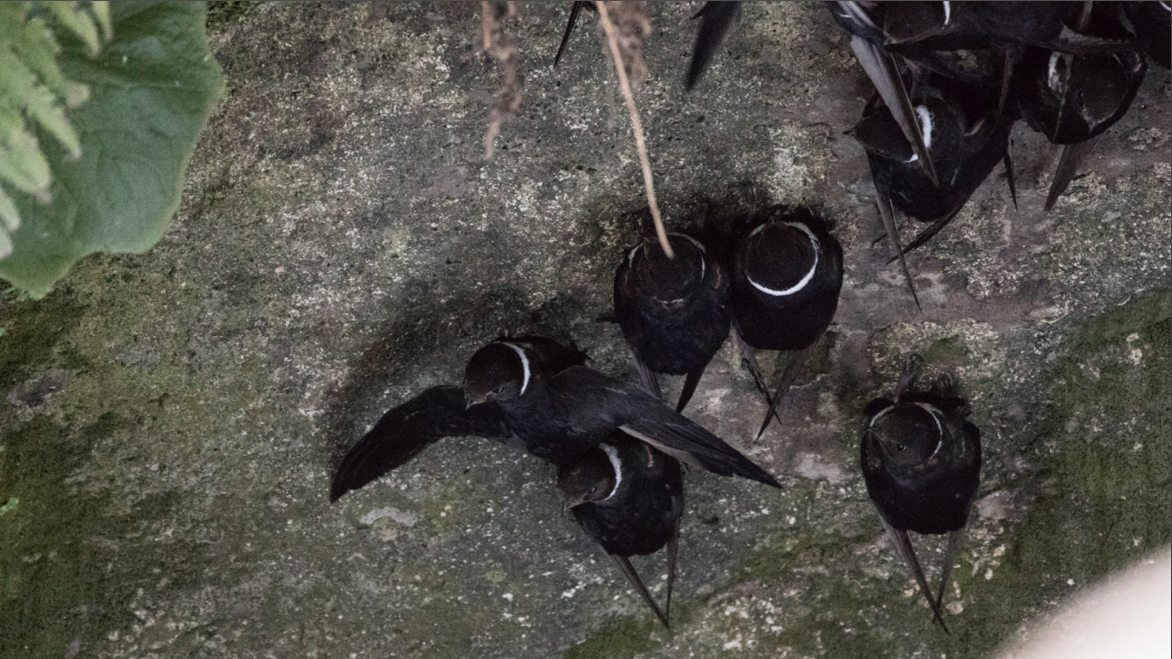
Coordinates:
(778, 550)
(1103, 498)
(625, 637)
(947, 351)
(33, 331)
(1110, 430)
(1100, 500)
(61, 575)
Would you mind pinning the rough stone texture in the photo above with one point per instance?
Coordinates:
(342, 244)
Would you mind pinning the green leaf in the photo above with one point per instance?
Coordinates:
(32, 41)
(77, 22)
(39, 102)
(21, 162)
(151, 91)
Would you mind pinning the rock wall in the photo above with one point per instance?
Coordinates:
(342, 244)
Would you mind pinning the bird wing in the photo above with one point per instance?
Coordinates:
(575, 9)
(405, 430)
(1072, 156)
(647, 378)
(883, 72)
(887, 212)
(685, 440)
(903, 545)
(715, 19)
(690, 383)
(788, 377)
(624, 565)
(598, 401)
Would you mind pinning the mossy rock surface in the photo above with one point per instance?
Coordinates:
(342, 244)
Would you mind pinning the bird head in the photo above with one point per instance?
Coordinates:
(498, 372)
(780, 257)
(591, 479)
(667, 280)
(908, 433)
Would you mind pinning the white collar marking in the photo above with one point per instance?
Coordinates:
(524, 365)
(697, 243)
(947, 12)
(1053, 78)
(927, 408)
(612, 454)
(939, 427)
(809, 275)
(879, 415)
(925, 129)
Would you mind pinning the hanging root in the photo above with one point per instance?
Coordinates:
(499, 47)
(625, 37)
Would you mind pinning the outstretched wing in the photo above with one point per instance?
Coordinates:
(407, 429)
(605, 401)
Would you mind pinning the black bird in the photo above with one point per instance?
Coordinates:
(561, 416)
(628, 497)
(1001, 26)
(786, 277)
(439, 412)
(673, 311)
(982, 49)
(967, 137)
(921, 461)
(974, 42)
(715, 19)
(1152, 23)
(1073, 98)
(864, 22)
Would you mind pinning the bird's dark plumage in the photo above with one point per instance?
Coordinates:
(864, 24)
(560, 417)
(963, 130)
(787, 273)
(966, 133)
(439, 412)
(407, 429)
(1152, 22)
(1072, 99)
(921, 462)
(786, 277)
(715, 20)
(628, 497)
(912, 29)
(985, 51)
(672, 311)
